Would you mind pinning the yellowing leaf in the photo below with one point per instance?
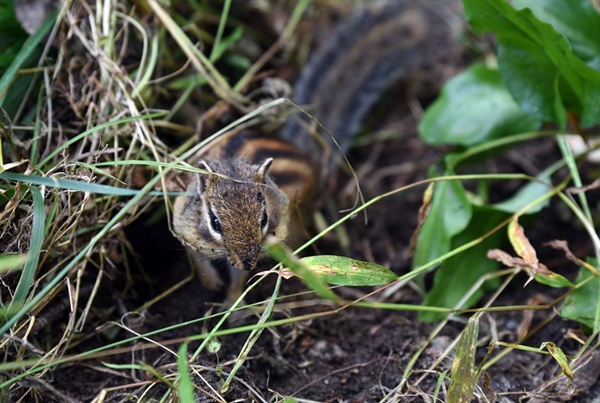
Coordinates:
(560, 357)
(464, 371)
(518, 240)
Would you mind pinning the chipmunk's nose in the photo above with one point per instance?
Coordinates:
(247, 260)
(248, 263)
(244, 252)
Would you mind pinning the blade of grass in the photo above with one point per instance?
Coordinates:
(574, 171)
(71, 184)
(217, 50)
(253, 338)
(185, 388)
(198, 59)
(35, 248)
(147, 62)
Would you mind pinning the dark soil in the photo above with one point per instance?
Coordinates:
(357, 354)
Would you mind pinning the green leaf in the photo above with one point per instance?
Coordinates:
(13, 86)
(526, 194)
(450, 213)
(213, 345)
(583, 303)
(552, 279)
(464, 371)
(577, 20)
(537, 63)
(339, 270)
(459, 273)
(287, 258)
(185, 388)
(474, 107)
(12, 36)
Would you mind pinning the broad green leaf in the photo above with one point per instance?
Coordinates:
(339, 270)
(12, 85)
(583, 304)
(464, 370)
(474, 107)
(449, 214)
(286, 257)
(577, 20)
(537, 63)
(519, 59)
(526, 194)
(12, 36)
(459, 273)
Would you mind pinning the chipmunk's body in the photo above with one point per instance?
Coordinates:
(257, 183)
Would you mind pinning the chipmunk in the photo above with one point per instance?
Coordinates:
(256, 183)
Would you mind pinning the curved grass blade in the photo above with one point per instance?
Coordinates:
(35, 248)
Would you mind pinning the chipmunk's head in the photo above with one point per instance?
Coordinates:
(234, 207)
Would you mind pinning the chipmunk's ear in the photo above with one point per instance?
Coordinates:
(202, 180)
(263, 168)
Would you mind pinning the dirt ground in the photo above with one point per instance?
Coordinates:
(357, 354)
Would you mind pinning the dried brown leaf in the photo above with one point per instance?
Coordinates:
(564, 246)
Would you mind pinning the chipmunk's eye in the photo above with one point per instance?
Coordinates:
(264, 220)
(214, 222)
